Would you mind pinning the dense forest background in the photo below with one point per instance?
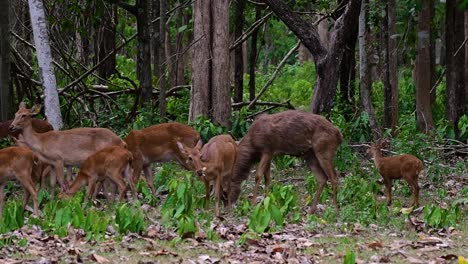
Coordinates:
(375, 68)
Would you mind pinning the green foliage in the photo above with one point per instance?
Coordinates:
(207, 129)
(437, 217)
(349, 258)
(130, 218)
(284, 161)
(280, 203)
(13, 217)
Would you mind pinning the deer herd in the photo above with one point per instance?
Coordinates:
(104, 160)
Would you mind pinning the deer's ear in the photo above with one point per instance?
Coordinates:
(181, 147)
(199, 144)
(36, 109)
(22, 105)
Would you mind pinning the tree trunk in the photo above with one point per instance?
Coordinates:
(455, 91)
(5, 102)
(253, 56)
(238, 58)
(221, 99)
(162, 58)
(44, 58)
(391, 70)
(466, 59)
(155, 38)
(201, 68)
(424, 70)
(144, 51)
(364, 72)
(107, 30)
(347, 69)
(327, 61)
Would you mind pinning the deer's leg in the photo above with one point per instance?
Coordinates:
(325, 160)
(69, 173)
(30, 191)
(91, 186)
(149, 178)
(413, 183)
(58, 166)
(118, 181)
(217, 193)
(262, 166)
(137, 165)
(267, 176)
(207, 193)
(388, 190)
(127, 175)
(321, 177)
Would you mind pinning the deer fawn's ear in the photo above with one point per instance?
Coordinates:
(36, 109)
(181, 147)
(199, 144)
(22, 105)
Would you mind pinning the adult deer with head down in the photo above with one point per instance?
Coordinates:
(58, 148)
(158, 143)
(404, 166)
(213, 162)
(112, 164)
(294, 133)
(18, 163)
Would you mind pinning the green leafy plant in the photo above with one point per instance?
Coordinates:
(13, 217)
(436, 216)
(349, 258)
(130, 218)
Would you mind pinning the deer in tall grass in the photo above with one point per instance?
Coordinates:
(61, 148)
(404, 166)
(294, 133)
(112, 164)
(213, 162)
(18, 163)
(158, 143)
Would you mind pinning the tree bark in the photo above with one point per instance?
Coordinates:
(327, 61)
(107, 31)
(466, 59)
(391, 69)
(253, 56)
(201, 68)
(455, 91)
(238, 53)
(424, 71)
(144, 51)
(44, 58)
(155, 38)
(221, 99)
(364, 72)
(347, 69)
(162, 58)
(5, 102)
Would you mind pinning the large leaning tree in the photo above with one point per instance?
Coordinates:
(327, 60)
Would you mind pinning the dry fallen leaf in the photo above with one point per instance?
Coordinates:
(98, 259)
(375, 245)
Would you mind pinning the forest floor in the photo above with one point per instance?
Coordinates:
(405, 238)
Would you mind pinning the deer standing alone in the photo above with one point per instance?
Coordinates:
(294, 133)
(61, 148)
(111, 163)
(213, 162)
(158, 143)
(404, 166)
(18, 163)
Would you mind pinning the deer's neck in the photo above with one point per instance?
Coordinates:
(31, 138)
(77, 183)
(377, 154)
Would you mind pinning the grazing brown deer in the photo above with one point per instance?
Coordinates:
(158, 143)
(17, 163)
(294, 133)
(40, 126)
(62, 148)
(404, 166)
(213, 162)
(112, 164)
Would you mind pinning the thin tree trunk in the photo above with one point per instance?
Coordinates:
(201, 68)
(253, 56)
(455, 91)
(5, 102)
(391, 74)
(144, 51)
(107, 31)
(162, 58)
(347, 69)
(466, 59)
(155, 38)
(364, 72)
(44, 58)
(238, 58)
(221, 99)
(424, 70)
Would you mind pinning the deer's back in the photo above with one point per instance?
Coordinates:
(292, 132)
(14, 159)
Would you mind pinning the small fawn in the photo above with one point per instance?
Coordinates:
(402, 166)
(111, 163)
(213, 162)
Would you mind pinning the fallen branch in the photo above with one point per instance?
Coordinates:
(275, 73)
